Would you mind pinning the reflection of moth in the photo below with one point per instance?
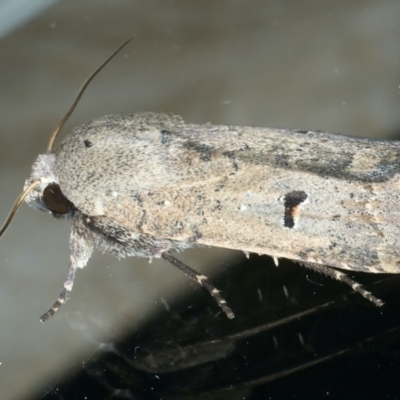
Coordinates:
(147, 184)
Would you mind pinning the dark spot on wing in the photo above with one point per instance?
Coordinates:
(220, 185)
(196, 235)
(205, 157)
(291, 201)
(231, 156)
(165, 137)
(332, 245)
(142, 221)
(135, 196)
(204, 150)
(217, 206)
(87, 143)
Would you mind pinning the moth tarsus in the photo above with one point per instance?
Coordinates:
(342, 277)
(62, 298)
(201, 280)
(52, 311)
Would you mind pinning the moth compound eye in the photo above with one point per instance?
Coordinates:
(55, 201)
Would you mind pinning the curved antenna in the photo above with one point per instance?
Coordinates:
(80, 93)
(18, 202)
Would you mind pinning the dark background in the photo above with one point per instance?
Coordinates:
(332, 66)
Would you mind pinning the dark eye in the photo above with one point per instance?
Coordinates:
(55, 200)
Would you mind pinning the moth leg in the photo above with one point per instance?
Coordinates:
(341, 276)
(200, 279)
(62, 298)
(81, 246)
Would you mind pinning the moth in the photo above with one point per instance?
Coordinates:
(148, 184)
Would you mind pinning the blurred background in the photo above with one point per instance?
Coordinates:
(333, 66)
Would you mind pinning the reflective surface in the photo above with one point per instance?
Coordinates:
(296, 335)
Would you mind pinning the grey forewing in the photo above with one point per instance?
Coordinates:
(314, 152)
(329, 155)
(226, 186)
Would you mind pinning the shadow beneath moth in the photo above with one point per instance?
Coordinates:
(147, 184)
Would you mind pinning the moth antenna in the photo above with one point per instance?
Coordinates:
(80, 93)
(17, 203)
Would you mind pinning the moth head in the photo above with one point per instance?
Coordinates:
(47, 195)
(42, 190)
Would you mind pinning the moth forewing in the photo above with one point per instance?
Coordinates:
(307, 196)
